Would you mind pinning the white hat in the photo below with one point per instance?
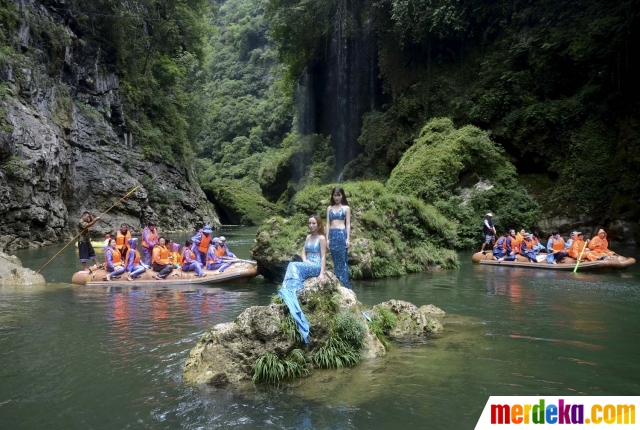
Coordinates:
(489, 214)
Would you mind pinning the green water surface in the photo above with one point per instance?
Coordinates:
(111, 358)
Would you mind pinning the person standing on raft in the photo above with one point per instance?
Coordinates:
(85, 249)
(339, 223)
(313, 264)
(122, 238)
(149, 241)
(201, 242)
(489, 231)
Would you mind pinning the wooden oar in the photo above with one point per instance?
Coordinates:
(78, 235)
(232, 260)
(575, 270)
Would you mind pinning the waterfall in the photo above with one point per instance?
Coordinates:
(341, 83)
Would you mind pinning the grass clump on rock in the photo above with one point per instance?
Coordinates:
(392, 234)
(465, 175)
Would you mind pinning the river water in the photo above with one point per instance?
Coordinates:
(111, 358)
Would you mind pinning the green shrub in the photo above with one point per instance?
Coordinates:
(464, 174)
(335, 354)
(271, 369)
(350, 329)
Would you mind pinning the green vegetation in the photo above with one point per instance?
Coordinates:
(338, 338)
(465, 175)
(245, 112)
(15, 168)
(271, 369)
(553, 82)
(382, 323)
(238, 203)
(157, 47)
(393, 234)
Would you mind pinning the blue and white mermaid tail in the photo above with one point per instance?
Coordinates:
(338, 247)
(297, 273)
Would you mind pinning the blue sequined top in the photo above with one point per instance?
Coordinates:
(312, 250)
(341, 215)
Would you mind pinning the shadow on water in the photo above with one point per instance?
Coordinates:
(87, 357)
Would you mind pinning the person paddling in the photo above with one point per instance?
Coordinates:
(85, 249)
(489, 231)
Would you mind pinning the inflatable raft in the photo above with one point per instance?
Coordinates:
(567, 263)
(176, 278)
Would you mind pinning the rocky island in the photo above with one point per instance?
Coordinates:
(263, 344)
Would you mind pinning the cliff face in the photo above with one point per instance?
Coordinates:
(65, 145)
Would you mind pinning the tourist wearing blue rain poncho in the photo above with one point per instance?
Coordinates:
(313, 264)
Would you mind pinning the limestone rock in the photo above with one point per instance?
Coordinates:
(12, 272)
(226, 353)
(413, 322)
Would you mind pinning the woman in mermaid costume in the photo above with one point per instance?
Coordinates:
(312, 265)
(339, 222)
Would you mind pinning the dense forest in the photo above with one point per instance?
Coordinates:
(266, 97)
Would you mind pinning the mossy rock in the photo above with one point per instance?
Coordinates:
(238, 204)
(465, 175)
(263, 343)
(391, 235)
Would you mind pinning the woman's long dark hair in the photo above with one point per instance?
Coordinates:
(344, 196)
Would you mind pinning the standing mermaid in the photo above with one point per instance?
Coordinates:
(312, 265)
(339, 222)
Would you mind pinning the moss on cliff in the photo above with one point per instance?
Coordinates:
(464, 174)
(391, 235)
(239, 204)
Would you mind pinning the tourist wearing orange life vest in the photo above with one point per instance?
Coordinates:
(214, 256)
(556, 248)
(513, 247)
(189, 261)
(526, 248)
(201, 242)
(161, 260)
(577, 246)
(132, 261)
(149, 240)
(500, 248)
(122, 237)
(113, 260)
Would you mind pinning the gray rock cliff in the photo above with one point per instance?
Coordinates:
(65, 147)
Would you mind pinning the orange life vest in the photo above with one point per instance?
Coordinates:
(186, 253)
(121, 239)
(515, 245)
(557, 245)
(136, 259)
(204, 243)
(160, 255)
(504, 243)
(116, 257)
(221, 252)
(152, 236)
